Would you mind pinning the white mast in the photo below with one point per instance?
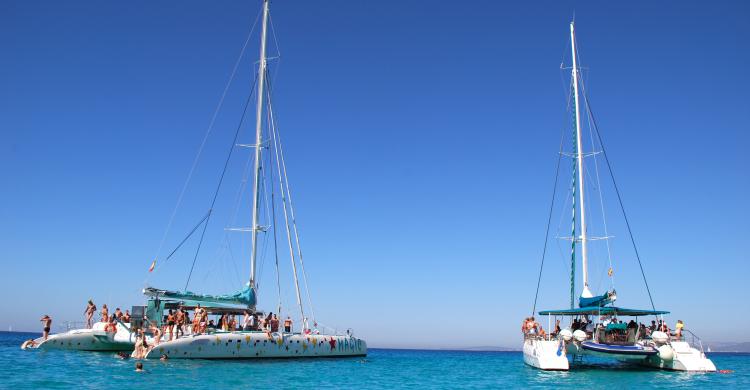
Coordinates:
(258, 143)
(586, 293)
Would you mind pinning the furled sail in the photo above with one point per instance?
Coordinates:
(245, 297)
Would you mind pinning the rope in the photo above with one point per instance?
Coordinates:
(283, 173)
(549, 221)
(205, 137)
(221, 180)
(619, 197)
(188, 235)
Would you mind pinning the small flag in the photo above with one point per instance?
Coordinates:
(610, 272)
(153, 264)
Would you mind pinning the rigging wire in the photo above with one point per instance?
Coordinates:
(619, 196)
(209, 129)
(549, 221)
(272, 127)
(283, 173)
(221, 180)
(273, 222)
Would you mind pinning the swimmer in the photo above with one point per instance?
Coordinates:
(138, 367)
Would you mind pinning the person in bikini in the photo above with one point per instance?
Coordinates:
(105, 313)
(47, 321)
(89, 312)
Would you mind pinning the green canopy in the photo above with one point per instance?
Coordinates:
(604, 310)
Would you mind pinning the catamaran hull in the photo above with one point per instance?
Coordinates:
(684, 358)
(676, 356)
(95, 339)
(258, 345)
(545, 355)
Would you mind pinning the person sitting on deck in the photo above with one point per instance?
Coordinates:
(111, 326)
(126, 317)
(525, 325)
(157, 334)
(211, 325)
(652, 328)
(557, 329)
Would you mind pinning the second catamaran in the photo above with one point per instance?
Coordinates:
(596, 326)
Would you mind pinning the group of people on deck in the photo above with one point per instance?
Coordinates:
(109, 320)
(531, 327)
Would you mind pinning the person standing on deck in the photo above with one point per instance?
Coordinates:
(47, 321)
(89, 312)
(105, 313)
(288, 325)
(179, 319)
(678, 329)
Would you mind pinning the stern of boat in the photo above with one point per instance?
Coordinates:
(545, 354)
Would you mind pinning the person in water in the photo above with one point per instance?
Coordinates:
(47, 322)
(138, 367)
(89, 312)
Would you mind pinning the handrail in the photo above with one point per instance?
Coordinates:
(694, 341)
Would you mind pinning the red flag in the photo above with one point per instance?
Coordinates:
(151, 268)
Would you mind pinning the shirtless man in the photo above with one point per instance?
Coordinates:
(89, 312)
(179, 319)
(47, 324)
(288, 324)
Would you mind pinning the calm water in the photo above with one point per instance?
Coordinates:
(383, 368)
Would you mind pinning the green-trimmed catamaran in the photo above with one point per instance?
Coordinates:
(308, 340)
(596, 327)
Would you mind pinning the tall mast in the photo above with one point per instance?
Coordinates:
(258, 143)
(579, 156)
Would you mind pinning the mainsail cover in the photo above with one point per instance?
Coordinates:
(245, 297)
(600, 300)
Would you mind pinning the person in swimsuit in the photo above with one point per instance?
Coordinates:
(170, 324)
(288, 324)
(118, 313)
(89, 312)
(179, 319)
(105, 313)
(126, 317)
(47, 321)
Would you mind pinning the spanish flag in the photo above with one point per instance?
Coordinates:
(153, 264)
(610, 272)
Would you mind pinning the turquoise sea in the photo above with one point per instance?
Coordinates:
(381, 369)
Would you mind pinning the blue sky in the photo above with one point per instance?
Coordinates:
(421, 139)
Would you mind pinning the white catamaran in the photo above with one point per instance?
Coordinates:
(253, 341)
(596, 327)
